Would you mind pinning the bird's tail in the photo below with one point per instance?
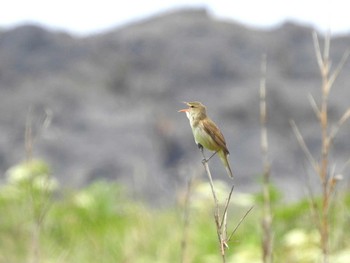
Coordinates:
(223, 157)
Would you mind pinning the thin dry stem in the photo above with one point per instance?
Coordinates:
(337, 127)
(314, 106)
(303, 146)
(227, 204)
(40, 204)
(186, 221)
(221, 224)
(267, 242)
(328, 181)
(339, 68)
(345, 165)
(313, 204)
(206, 166)
(239, 223)
(317, 51)
(220, 232)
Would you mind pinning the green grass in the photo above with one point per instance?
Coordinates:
(101, 224)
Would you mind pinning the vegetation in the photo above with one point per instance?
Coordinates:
(42, 223)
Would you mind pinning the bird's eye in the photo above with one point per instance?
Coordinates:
(191, 106)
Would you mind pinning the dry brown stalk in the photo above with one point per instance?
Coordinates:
(221, 226)
(328, 180)
(267, 239)
(221, 219)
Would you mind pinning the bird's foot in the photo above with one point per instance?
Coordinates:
(200, 146)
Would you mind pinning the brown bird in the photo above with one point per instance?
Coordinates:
(206, 133)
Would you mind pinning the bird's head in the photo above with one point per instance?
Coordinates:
(195, 110)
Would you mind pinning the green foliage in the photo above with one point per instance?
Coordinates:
(24, 202)
(274, 193)
(101, 224)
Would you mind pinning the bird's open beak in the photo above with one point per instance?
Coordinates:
(185, 110)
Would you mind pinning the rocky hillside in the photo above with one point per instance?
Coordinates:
(105, 106)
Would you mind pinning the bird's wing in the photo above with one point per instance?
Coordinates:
(215, 133)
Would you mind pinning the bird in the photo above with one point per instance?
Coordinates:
(206, 133)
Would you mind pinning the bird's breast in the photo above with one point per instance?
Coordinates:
(202, 137)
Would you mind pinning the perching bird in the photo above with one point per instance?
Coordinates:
(206, 133)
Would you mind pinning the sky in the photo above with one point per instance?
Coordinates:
(84, 17)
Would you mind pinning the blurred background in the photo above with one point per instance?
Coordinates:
(101, 90)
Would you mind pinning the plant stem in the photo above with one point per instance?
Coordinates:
(267, 242)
